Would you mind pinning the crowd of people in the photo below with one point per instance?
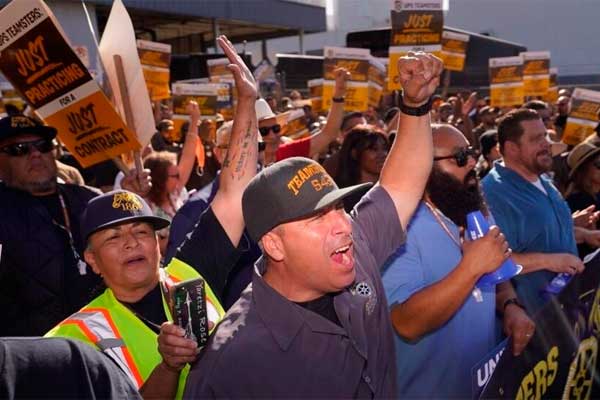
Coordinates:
(335, 265)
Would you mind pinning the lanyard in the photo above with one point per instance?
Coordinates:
(81, 265)
(437, 214)
(438, 217)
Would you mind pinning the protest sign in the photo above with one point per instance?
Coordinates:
(315, 93)
(296, 124)
(454, 50)
(536, 73)
(377, 76)
(218, 73)
(205, 94)
(119, 39)
(38, 61)
(155, 59)
(583, 117)
(416, 26)
(560, 361)
(552, 94)
(356, 61)
(506, 81)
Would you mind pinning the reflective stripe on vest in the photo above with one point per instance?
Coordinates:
(98, 326)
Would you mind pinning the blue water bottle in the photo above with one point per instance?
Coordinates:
(477, 227)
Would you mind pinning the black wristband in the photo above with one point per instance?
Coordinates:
(416, 111)
(512, 300)
(338, 99)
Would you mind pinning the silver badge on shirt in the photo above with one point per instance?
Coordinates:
(363, 289)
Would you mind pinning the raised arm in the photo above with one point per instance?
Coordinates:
(188, 153)
(240, 162)
(320, 140)
(408, 165)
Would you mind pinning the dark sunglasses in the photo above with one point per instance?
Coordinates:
(22, 149)
(461, 156)
(264, 131)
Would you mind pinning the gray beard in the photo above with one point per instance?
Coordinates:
(34, 188)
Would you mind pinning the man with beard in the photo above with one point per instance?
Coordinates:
(529, 209)
(438, 314)
(43, 278)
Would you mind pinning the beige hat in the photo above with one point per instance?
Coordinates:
(579, 155)
(263, 110)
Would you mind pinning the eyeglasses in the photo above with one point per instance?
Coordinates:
(461, 156)
(264, 131)
(24, 148)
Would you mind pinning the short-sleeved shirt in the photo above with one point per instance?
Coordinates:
(297, 148)
(268, 346)
(427, 257)
(533, 222)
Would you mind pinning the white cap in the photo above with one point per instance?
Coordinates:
(263, 110)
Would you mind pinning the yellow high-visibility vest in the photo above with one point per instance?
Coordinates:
(114, 329)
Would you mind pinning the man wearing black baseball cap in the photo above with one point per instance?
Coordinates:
(42, 277)
(315, 322)
(120, 230)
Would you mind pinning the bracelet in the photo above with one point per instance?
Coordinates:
(512, 300)
(338, 99)
(416, 111)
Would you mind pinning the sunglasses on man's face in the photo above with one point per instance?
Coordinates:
(24, 148)
(461, 156)
(264, 131)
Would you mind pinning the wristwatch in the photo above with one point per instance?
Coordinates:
(512, 300)
(338, 99)
(416, 111)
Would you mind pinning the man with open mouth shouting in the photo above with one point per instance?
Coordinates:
(314, 322)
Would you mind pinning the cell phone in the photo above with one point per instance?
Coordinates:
(189, 309)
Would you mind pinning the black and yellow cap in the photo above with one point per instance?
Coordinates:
(115, 208)
(288, 190)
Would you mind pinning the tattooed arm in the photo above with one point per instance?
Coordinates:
(240, 163)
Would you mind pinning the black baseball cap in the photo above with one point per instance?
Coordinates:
(115, 208)
(16, 125)
(291, 189)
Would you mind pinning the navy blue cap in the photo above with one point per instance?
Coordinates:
(16, 125)
(115, 208)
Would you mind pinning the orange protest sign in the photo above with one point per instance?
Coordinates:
(506, 81)
(583, 117)
(205, 94)
(416, 26)
(356, 61)
(552, 94)
(315, 93)
(454, 50)
(155, 59)
(377, 76)
(37, 60)
(296, 124)
(536, 73)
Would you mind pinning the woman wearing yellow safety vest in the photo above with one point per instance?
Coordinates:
(122, 247)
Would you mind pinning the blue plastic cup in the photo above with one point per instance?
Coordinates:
(477, 227)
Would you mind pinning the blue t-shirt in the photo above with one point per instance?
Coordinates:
(439, 364)
(532, 222)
